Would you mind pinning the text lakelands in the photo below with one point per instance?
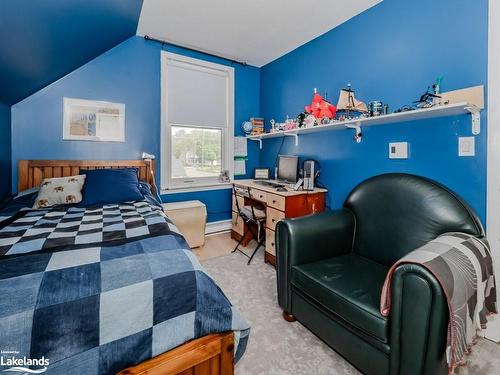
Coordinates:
(13, 361)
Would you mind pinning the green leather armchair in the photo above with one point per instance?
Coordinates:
(331, 268)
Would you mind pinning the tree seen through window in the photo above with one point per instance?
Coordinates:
(196, 152)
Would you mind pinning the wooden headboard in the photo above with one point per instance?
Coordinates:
(32, 172)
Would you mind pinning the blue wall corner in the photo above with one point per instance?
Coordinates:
(129, 74)
(391, 52)
(5, 151)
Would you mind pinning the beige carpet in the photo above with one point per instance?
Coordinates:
(277, 347)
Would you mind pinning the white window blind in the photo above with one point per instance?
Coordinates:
(196, 95)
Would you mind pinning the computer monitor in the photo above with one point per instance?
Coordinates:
(288, 168)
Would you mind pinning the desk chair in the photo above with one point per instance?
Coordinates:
(251, 216)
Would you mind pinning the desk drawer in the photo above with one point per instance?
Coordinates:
(242, 191)
(238, 224)
(258, 195)
(241, 202)
(276, 201)
(270, 242)
(273, 216)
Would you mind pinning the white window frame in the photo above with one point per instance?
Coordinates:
(167, 183)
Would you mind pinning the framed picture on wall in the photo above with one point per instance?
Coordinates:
(90, 120)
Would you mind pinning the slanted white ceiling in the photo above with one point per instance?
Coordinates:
(254, 31)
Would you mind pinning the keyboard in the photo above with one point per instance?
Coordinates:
(270, 184)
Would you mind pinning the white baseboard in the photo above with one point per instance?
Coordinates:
(218, 226)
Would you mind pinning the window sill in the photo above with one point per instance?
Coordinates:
(190, 189)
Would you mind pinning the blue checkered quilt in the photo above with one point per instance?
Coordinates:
(96, 290)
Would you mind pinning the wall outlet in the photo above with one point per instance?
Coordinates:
(398, 150)
(466, 146)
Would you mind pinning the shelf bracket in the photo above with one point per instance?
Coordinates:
(358, 134)
(476, 119)
(293, 135)
(257, 140)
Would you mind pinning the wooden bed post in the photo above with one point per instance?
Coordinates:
(22, 175)
(227, 355)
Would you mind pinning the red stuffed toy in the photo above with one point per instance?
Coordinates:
(320, 108)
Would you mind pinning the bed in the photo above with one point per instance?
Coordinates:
(109, 289)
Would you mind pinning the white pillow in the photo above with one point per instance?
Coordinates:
(60, 190)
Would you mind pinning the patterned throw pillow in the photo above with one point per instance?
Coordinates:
(60, 190)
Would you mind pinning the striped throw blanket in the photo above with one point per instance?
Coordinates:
(463, 266)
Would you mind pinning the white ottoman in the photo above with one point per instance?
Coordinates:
(191, 218)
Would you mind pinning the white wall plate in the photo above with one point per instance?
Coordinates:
(398, 150)
(467, 146)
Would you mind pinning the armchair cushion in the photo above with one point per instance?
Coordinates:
(349, 286)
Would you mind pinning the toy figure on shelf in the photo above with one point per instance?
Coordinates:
(290, 124)
(280, 126)
(300, 119)
(274, 126)
(310, 121)
(348, 103)
(431, 97)
(305, 120)
(427, 100)
(321, 109)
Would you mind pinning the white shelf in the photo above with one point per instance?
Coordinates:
(418, 114)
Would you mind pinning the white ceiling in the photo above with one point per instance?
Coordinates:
(253, 31)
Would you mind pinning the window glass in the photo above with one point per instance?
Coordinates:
(196, 152)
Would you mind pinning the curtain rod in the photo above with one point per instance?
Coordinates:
(147, 37)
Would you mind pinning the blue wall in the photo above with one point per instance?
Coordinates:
(391, 52)
(130, 74)
(42, 41)
(5, 151)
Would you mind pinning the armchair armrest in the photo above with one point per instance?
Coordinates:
(308, 239)
(419, 322)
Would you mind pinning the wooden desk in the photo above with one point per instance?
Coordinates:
(279, 205)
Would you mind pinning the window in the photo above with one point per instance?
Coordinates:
(197, 122)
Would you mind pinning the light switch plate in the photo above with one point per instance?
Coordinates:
(467, 146)
(398, 150)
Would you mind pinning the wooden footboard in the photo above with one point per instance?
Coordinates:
(208, 355)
